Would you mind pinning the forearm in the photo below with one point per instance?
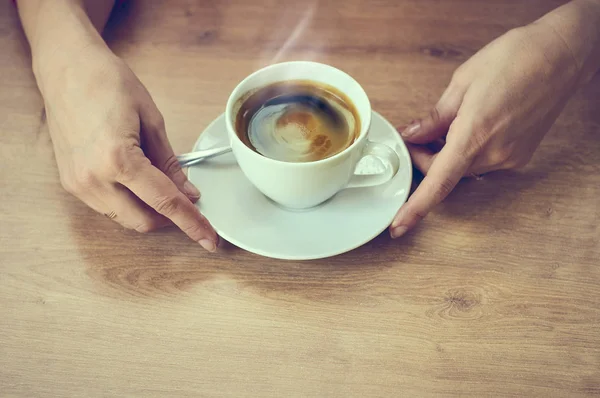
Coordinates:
(57, 29)
(577, 25)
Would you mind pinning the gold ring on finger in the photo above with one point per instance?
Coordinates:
(111, 215)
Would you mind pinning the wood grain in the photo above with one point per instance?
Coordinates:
(497, 293)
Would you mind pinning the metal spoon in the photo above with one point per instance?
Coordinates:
(192, 158)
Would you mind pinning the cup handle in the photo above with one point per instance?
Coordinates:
(387, 156)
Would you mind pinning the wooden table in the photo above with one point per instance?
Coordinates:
(497, 293)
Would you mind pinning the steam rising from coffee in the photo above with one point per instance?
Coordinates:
(300, 25)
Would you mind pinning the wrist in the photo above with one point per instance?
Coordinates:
(59, 32)
(575, 29)
(50, 66)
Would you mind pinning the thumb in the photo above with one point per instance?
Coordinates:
(437, 123)
(158, 149)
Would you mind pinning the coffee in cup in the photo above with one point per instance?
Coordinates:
(297, 121)
(297, 131)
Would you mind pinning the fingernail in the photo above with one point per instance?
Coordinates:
(398, 219)
(208, 245)
(191, 190)
(398, 231)
(412, 129)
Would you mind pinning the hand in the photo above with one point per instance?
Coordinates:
(112, 150)
(493, 115)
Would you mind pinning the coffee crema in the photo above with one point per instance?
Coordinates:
(297, 121)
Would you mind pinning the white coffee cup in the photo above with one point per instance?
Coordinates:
(308, 184)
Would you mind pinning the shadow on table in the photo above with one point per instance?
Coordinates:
(120, 22)
(167, 263)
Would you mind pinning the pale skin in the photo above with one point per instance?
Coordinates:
(109, 138)
(113, 153)
(500, 104)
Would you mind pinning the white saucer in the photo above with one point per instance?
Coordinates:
(246, 218)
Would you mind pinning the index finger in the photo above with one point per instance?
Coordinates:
(159, 192)
(446, 170)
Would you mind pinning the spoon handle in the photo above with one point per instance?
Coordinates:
(191, 158)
